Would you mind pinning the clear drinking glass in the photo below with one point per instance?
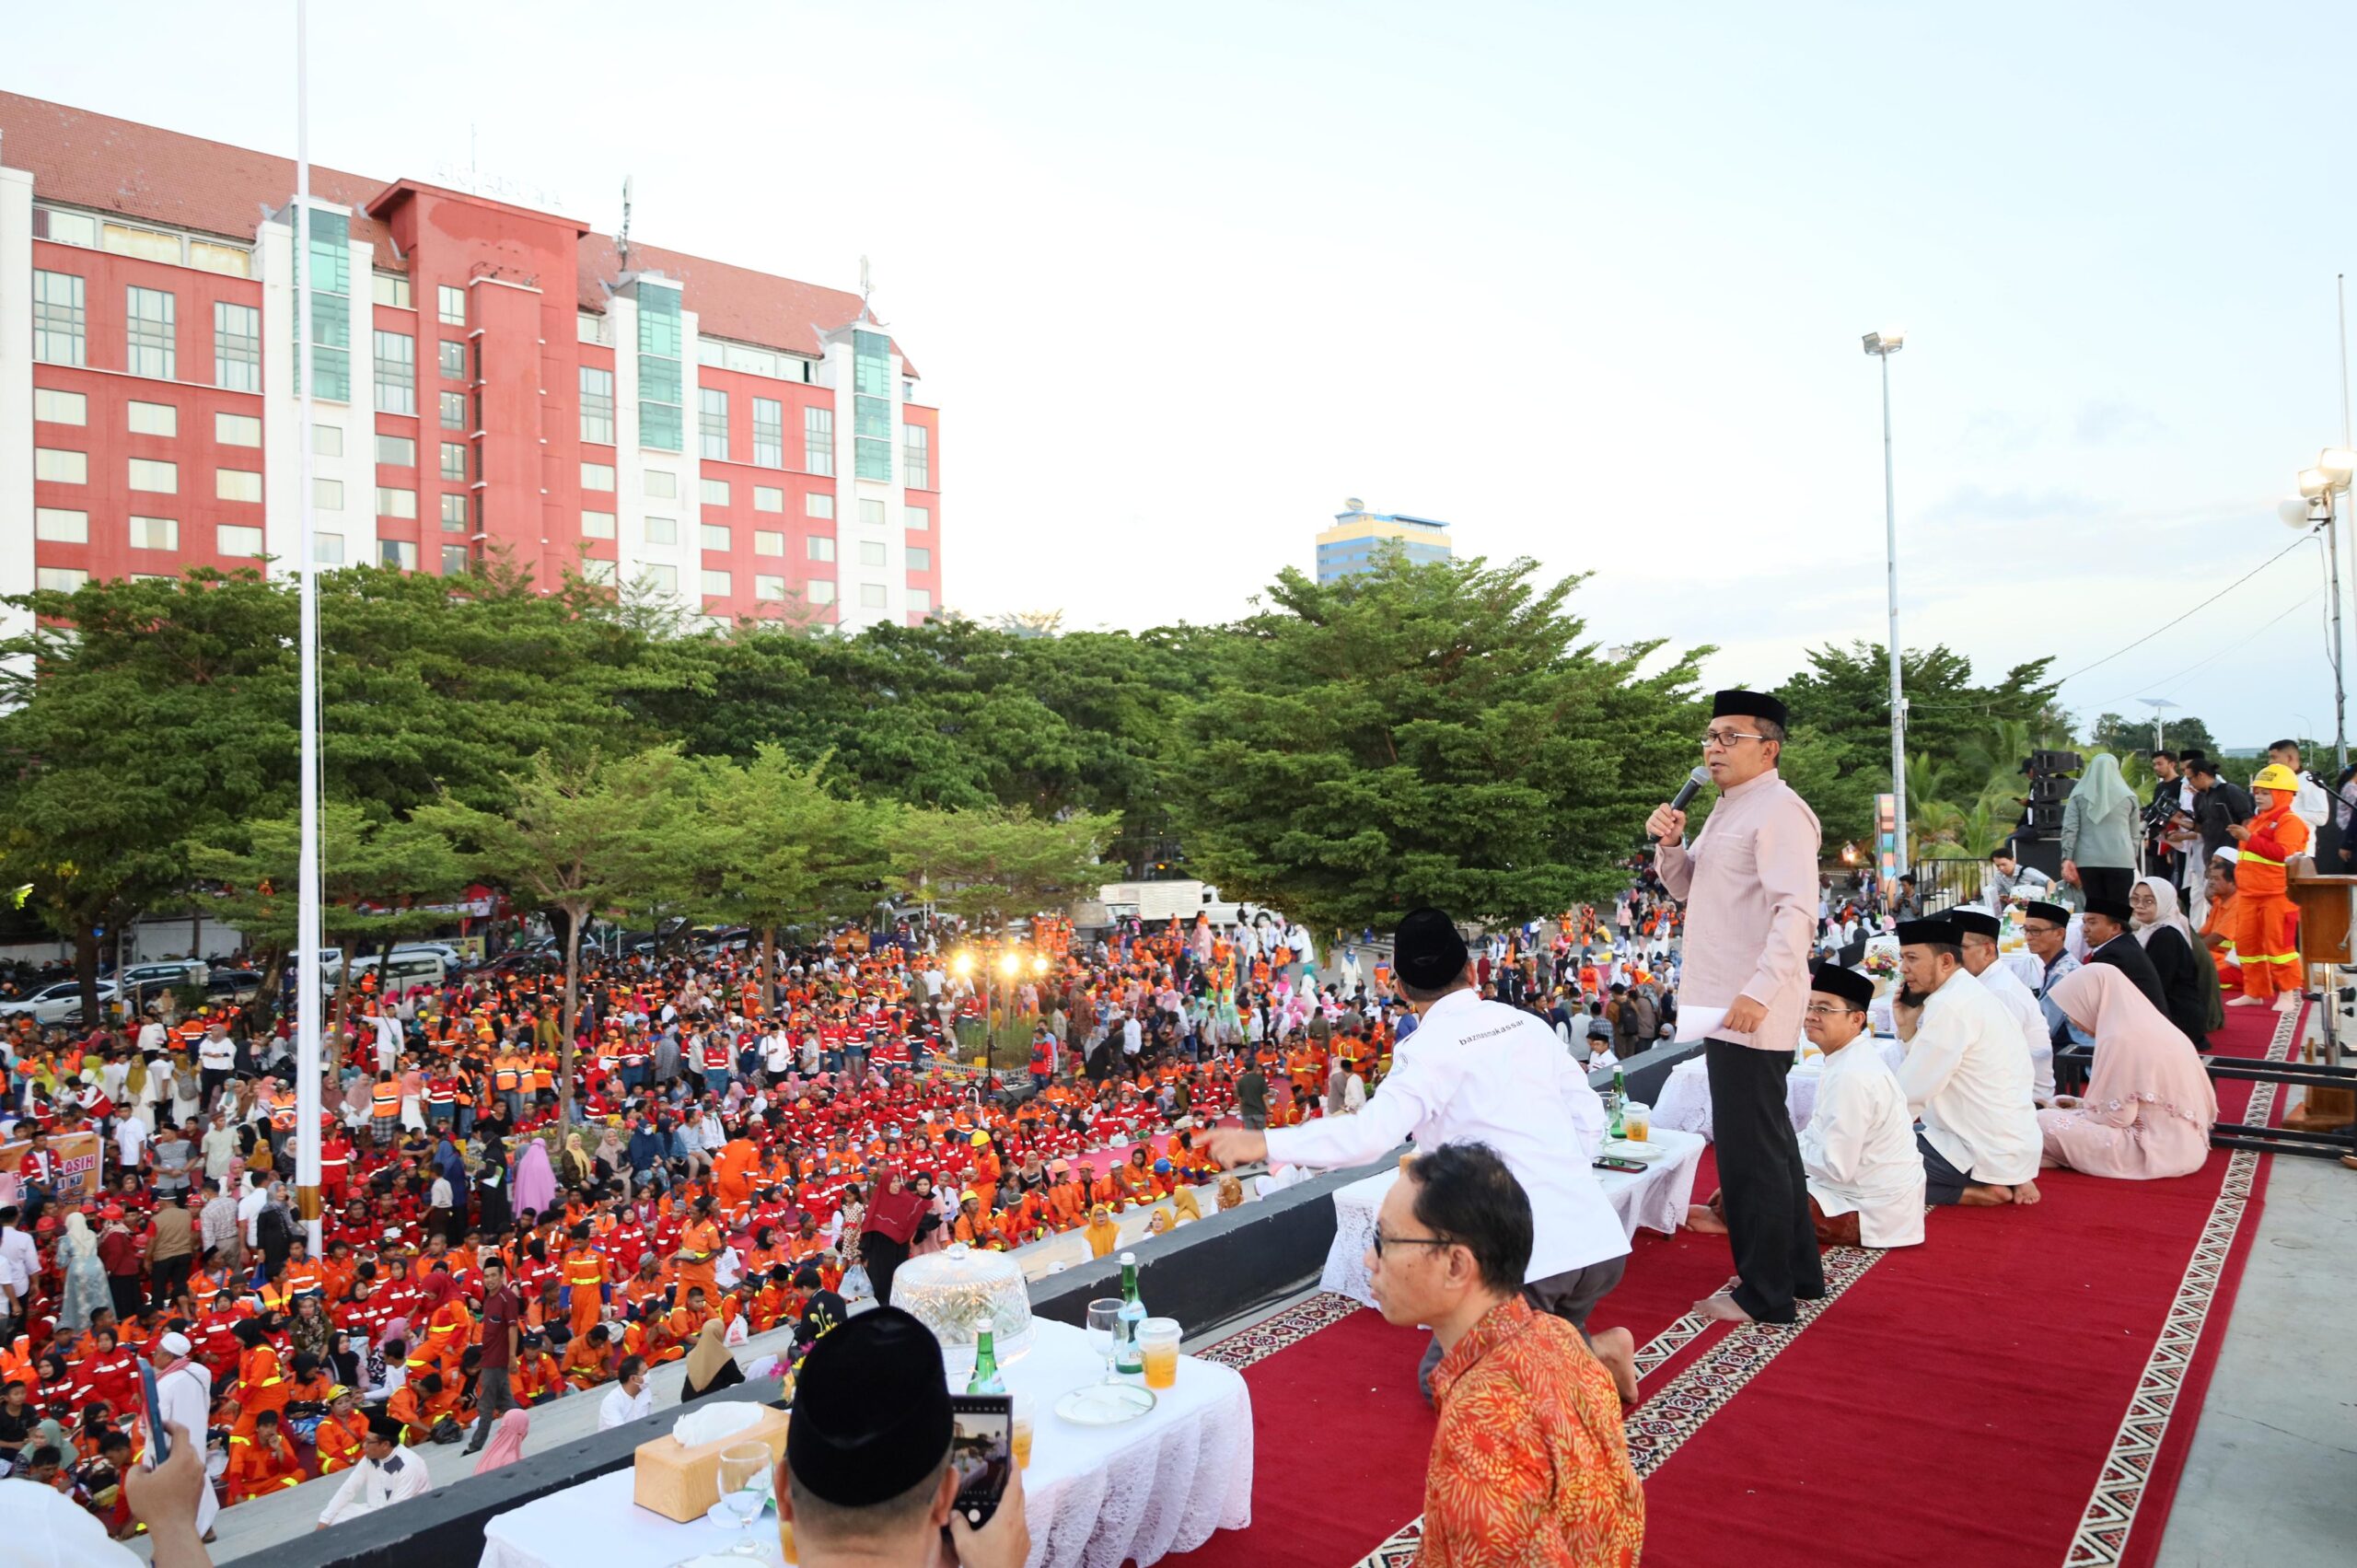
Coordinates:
(743, 1468)
(1104, 1318)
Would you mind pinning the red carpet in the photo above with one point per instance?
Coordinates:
(2020, 1389)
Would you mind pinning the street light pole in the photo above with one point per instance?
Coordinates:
(1882, 345)
(2335, 471)
(307, 935)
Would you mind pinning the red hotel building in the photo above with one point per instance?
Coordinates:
(488, 378)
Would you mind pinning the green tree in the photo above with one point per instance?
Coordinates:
(1434, 733)
(995, 864)
(581, 837)
(2125, 736)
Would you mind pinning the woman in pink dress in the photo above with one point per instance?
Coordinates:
(2149, 1105)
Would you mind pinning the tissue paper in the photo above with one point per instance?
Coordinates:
(710, 1424)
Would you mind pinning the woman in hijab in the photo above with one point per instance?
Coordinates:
(1185, 1208)
(891, 1224)
(86, 1278)
(493, 1211)
(1102, 1233)
(2099, 831)
(506, 1445)
(2149, 1108)
(308, 1330)
(580, 1171)
(710, 1366)
(535, 1184)
(2168, 942)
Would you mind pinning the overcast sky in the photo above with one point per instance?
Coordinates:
(1588, 285)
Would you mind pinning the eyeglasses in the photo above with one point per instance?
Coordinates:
(1724, 739)
(1382, 1241)
(1819, 1010)
(2039, 928)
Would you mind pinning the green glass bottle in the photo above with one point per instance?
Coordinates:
(1619, 1099)
(985, 1380)
(1129, 1357)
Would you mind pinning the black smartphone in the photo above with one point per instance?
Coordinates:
(159, 1441)
(981, 1450)
(1605, 1162)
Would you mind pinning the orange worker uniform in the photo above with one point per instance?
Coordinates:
(2265, 915)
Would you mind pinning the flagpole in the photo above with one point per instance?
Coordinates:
(306, 938)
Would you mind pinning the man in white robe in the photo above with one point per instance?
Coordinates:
(1979, 933)
(1967, 1076)
(385, 1475)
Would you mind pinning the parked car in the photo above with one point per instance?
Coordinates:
(233, 985)
(167, 975)
(57, 1003)
(402, 968)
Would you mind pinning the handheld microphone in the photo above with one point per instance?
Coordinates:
(1687, 791)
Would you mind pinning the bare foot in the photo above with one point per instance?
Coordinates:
(1979, 1196)
(2287, 1002)
(2245, 1002)
(1722, 1308)
(2026, 1194)
(1699, 1217)
(1617, 1349)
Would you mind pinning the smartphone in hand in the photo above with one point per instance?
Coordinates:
(159, 1441)
(981, 1450)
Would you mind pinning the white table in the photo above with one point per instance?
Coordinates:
(1094, 1496)
(1658, 1199)
(1684, 1100)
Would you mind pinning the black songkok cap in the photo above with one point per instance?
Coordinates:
(2054, 914)
(1926, 933)
(1735, 702)
(1974, 923)
(1426, 951)
(385, 1429)
(2116, 907)
(1847, 984)
(871, 1411)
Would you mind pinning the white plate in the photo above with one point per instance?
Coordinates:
(1105, 1404)
(1622, 1149)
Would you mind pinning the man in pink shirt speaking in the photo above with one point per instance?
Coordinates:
(1749, 887)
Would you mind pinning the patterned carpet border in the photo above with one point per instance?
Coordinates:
(1273, 1333)
(2120, 1486)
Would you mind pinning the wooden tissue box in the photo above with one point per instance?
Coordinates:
(682, 1483)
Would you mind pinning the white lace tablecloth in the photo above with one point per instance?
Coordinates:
(1094, 1496)
(1656, 1200)
(1684, 1099)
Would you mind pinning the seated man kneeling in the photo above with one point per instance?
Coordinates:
(1865, 1176)
(1965, 1076)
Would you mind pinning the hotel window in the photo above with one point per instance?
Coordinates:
(327, 549)
(394, 502)
(396, 373)
(769, 432)
(235, 430)
(768, 590)
(589, 328)
(60, 579)
(596, 476)
(871, 405)
(147, 330)
(601, 572)
(237, 484)
(712, 423)
(455, 561)
(162, 479)
(916, 456)
(714, 536)
(53, 406)
(152, 419)
(918, 517)
(454, 360)
(597, 524)
(596, 405)
(230, 538)
(871, 511)
(767, 498)
(59, 320)
(662, 485)
(60, 526)
(817, 506)
(661, 579)
(871, 596)
(327, 440)
(224, 258)
(871, 554)
(920, 601)
(818, 439)
(453, 461)
(818, 547)
(819, 590)
(398, 552)
(237, 346)
(454, 513)
(766, 543)
(920, 560)
(453, 406)
(59, 465)
(66, 228)
(155, 533)
(454, 305)
(660, 380)
(327, 274)
(714, 492)
(397, 451)
(662, 530)
(716, 585)
(327, 495)
(392, 289)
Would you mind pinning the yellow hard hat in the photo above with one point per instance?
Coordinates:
(2275, 775)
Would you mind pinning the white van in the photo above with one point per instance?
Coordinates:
(403, 969)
